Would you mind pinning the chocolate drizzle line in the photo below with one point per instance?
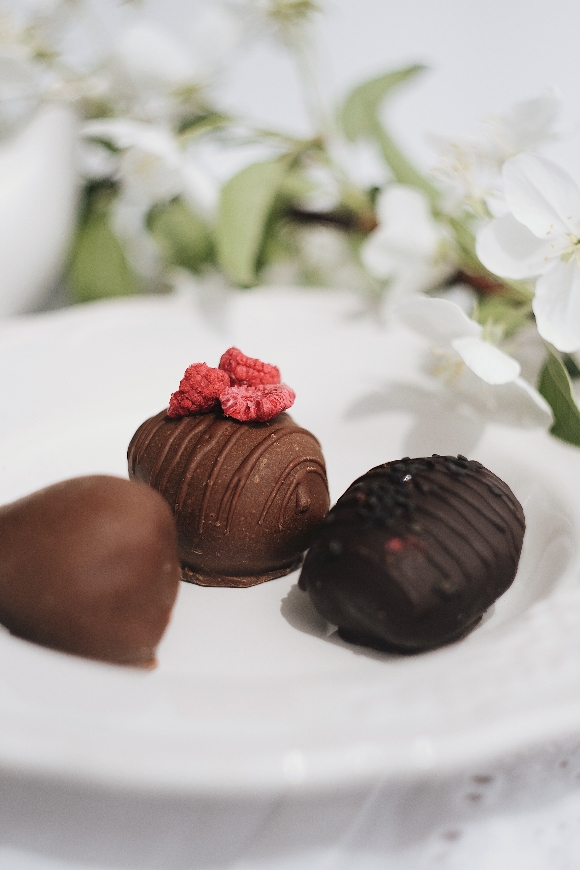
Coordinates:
(237, 524)
(219, 461)
(475, 539)
(197, 457)
(177, 429)
(144, 437)
(203, 430)
(316, 468)
(387, 497)
(242, 474)
(499, 523)
(199, 427)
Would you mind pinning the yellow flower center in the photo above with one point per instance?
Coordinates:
(571, 254)
(448, 365)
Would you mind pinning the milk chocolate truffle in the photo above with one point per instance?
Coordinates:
(414, 552)
(247, 496)
(89, 566)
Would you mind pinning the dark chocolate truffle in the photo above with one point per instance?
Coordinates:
(89, 566)
(414, 552)
(247, 497)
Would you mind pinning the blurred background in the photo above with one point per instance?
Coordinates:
(481, 58)
(96, 201)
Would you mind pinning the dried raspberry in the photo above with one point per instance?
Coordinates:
(246, 371)
(198, 391)
(256, 403)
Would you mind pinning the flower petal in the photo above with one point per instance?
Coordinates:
(507, 248)
(406, 220)
(542, 196)
(377, 257)
(526, 124)
(544, 416)
(486, 360)
(407, 233)
(438, 320)
(517, 403)
(557, 305)
(127, 133)
(151, 54)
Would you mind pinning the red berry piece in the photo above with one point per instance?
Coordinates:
(256, 403)
(246, 371)
(199, 390)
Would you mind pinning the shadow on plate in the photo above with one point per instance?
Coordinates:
(446, 421)
(299, 612)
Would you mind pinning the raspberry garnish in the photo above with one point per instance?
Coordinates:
(259, 403)
(248, 389)
(198, 391)
(246, 371)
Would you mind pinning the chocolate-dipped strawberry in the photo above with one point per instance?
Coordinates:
(89, 566)
(414, 552)
(247, 485)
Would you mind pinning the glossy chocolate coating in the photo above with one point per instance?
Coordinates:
(89, 566)
(414, 552)
(247, 497)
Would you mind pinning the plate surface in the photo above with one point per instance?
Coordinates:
(254, 692)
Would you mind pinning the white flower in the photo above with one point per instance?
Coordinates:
(469, 169)
(283, 16)
(360, 160)
(403, 248)
(461, 347)
(131, 57)
(524, 127)
(160, 73)
(153, 57)
(324, 191)
(150, 162)
(540, 237)
(151, 168)
(464, 177)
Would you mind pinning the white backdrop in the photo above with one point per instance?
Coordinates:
(482, 57)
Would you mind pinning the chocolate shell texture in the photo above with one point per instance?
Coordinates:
(89, 566)
(247, 497)
(414, 552)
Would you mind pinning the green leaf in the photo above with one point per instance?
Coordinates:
(571, 366)
(361, 108)
(202, 123)
(98, 267)
(246, 203)
(183, 237)
(556, 388)
(360, 119)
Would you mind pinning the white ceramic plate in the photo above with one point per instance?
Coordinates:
(252, 692)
